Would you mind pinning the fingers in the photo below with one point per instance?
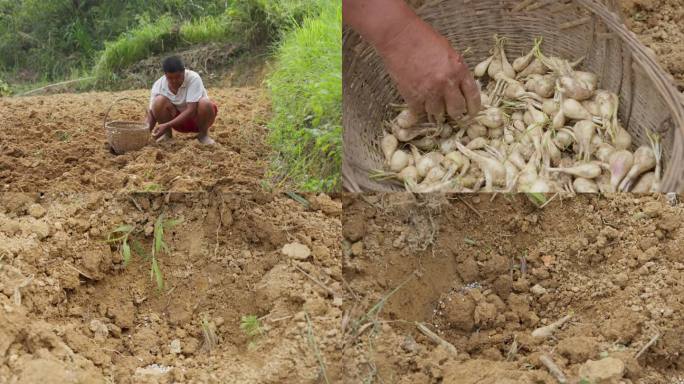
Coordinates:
(472, 95)
(455, 103)
(435, 109)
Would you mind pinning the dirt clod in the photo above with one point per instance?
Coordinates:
(296, 251)
(605, 371)
(578, 349)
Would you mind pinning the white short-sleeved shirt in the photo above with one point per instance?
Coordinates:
(191, 91)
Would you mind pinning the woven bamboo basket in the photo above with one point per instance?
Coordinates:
(571, 29)
(125, 136)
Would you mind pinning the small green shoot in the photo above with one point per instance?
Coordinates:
(299, 198)
(124, 232)
(469, 241)
(584, 381)
(159, 245)
(152, 187)
(251, 326)
(539, 199)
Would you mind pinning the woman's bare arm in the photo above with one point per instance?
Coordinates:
(429, 73)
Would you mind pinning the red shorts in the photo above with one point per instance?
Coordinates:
(190, 125)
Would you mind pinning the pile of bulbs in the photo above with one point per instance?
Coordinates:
(545, 127)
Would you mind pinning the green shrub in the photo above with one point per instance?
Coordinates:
(205, 30)
(260, 21)
(135, 45)
(306, 90)
(4, 89)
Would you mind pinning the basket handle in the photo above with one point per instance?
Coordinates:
(104, 123)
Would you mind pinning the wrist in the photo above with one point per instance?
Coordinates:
(378, 21)
(406, 35)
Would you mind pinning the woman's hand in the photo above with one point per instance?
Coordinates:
(160, 129)
(430, 74)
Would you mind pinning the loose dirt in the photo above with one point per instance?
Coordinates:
(659, 24)
(484, 272)
(57, 143)
(72, 312)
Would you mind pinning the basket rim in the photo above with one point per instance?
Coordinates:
(126, 125)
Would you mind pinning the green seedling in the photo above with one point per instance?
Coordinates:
(122, 233)
(251, 326)
(539, 199)
(152, 187)
(469, 241)
(299, 198)
(159, 245)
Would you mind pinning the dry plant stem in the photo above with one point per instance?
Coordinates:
(135, 202)
(648, 345)
(16, 296)
(436, 339)
(549, 200)
(513, 350)
(553, 368)
(547, 331)
(328, 290)
(467, 204)
(314, 345)
(77, 270)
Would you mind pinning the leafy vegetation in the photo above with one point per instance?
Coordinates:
(306, 89)
(251, 327)
(49, 41)
(124, 231)
(159, 246)
(121, 235)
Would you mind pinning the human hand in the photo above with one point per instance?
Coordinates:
(160, 129)
(429, 73)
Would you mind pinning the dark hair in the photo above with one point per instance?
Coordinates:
(173, 64)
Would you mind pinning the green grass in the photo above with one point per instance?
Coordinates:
(251, 327)
(121, 235)
(159, 246)
(205, 30)
(134, 45)
(306, 91)
(123, 232)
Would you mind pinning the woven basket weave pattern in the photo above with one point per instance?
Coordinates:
(125, 136)
(571, 29)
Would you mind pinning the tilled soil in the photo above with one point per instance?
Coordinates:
(659, 24)
(71, 311)
(484, 272)
(58, 143)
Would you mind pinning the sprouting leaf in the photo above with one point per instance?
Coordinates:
(158, 240)
(123, 228)
(538, 199)
(157, 274)
(138, 248)
(126, 252)
(172, 223)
